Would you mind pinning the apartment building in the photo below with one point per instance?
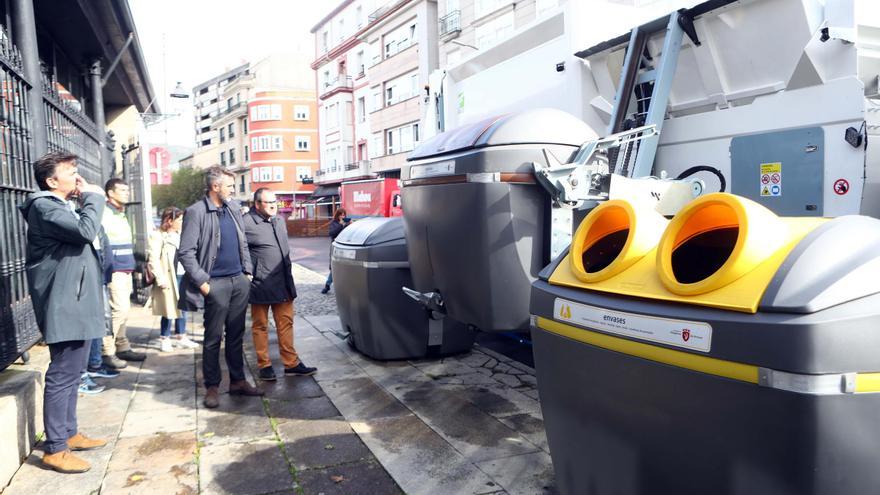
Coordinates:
(283, 149)
(225, 136)
(341, 60)
(207, 106)
(372, 62)
(467, 26)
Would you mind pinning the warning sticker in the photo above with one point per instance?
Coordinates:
(771, 179)
(841, 187)
(693, 335)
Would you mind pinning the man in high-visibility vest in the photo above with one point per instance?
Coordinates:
(118, 231)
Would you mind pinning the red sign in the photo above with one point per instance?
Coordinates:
(686, 334)
(841, 187)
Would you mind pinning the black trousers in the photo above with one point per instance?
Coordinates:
(225, 310)
(60, 392)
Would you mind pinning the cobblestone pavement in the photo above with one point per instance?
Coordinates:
(464, 424)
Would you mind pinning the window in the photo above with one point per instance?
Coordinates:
(326, 78)
(277, 174)
(206, 142)
(301, 112)
(377, 98)
(332, 114)
(232, 157)
(231, 129)
(266, 112)
(241, 184)
(376, 148)
(247, 155)
(265, 174)
(359, 16)
(485, 7)
(222, 135)
(266, 143)
(303, 143)
(402, 88)
(359, 63)
(303, 172)
(244, 126)
(206, 129)
(229, 104)
(402, 139)
(399, 39)
(361, 109)
(223, 158)
(325, 40)
(451, 6)
(341, 35)
(494, 31)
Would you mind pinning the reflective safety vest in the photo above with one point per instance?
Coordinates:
(118, 232)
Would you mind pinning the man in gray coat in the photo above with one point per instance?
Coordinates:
(64, 279)
(272, 286)
(214, 254)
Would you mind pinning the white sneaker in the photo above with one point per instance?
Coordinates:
(185, 343)
(165, 344)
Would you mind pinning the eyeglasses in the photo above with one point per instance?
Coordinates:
(268, 202)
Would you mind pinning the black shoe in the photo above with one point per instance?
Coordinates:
(131, 355)
(102, 371)
(326, 289)
(113, 362)
(267, 374)
(300, 370)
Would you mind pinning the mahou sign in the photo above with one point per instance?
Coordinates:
(370, 198)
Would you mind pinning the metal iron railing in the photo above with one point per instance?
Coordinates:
(450, 23)
(18, 326)
(68, 129)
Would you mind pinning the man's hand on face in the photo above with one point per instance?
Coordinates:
(83, 187)
(205, 289)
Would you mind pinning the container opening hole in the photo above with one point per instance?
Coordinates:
(701, 255)
(604, 251)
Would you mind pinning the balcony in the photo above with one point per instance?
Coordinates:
(450, 24)
(229, 110)
(358, 169)
(338, 85)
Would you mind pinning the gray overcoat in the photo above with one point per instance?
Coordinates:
(270, 253)
(63, 269)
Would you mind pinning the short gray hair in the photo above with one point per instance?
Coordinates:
(215, 174)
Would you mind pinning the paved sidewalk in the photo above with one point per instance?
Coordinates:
(465, 424)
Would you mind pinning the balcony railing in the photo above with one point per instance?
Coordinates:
(357, 165)
(340, 83)
(450, 23)
(229, 110)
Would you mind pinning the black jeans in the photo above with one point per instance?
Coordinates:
(60, 392)
(225, 306)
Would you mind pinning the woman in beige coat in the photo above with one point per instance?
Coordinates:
(162, 259)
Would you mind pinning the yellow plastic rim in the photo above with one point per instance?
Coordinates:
(644, 225)
(760, 234)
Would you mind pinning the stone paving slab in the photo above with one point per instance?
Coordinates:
(363, 477)
(321, 443)
(253, 468)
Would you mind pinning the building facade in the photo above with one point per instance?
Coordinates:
(282, 146)
(261, 94)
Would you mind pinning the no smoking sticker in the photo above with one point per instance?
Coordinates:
(771, 179)
(841, 187)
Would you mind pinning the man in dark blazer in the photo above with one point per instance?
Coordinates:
(214, 254)
(272, 286)
(65, 284)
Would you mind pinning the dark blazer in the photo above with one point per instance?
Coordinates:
(199, 242)
(270, 252)
(63, 270)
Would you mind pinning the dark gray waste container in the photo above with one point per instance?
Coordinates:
(781, 401)
(477, 222)
(370, 266)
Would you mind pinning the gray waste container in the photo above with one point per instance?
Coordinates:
(659, 395)
(477, 221)
(370, 266)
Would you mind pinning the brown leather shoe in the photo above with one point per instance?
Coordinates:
(244, 388)
(82, 442)
(65, 462)
(212, 397)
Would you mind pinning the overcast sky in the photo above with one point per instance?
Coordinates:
(194, 40)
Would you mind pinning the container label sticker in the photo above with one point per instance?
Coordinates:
(432, 169)
(344, 254)
(693, 335)
(771, 179)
